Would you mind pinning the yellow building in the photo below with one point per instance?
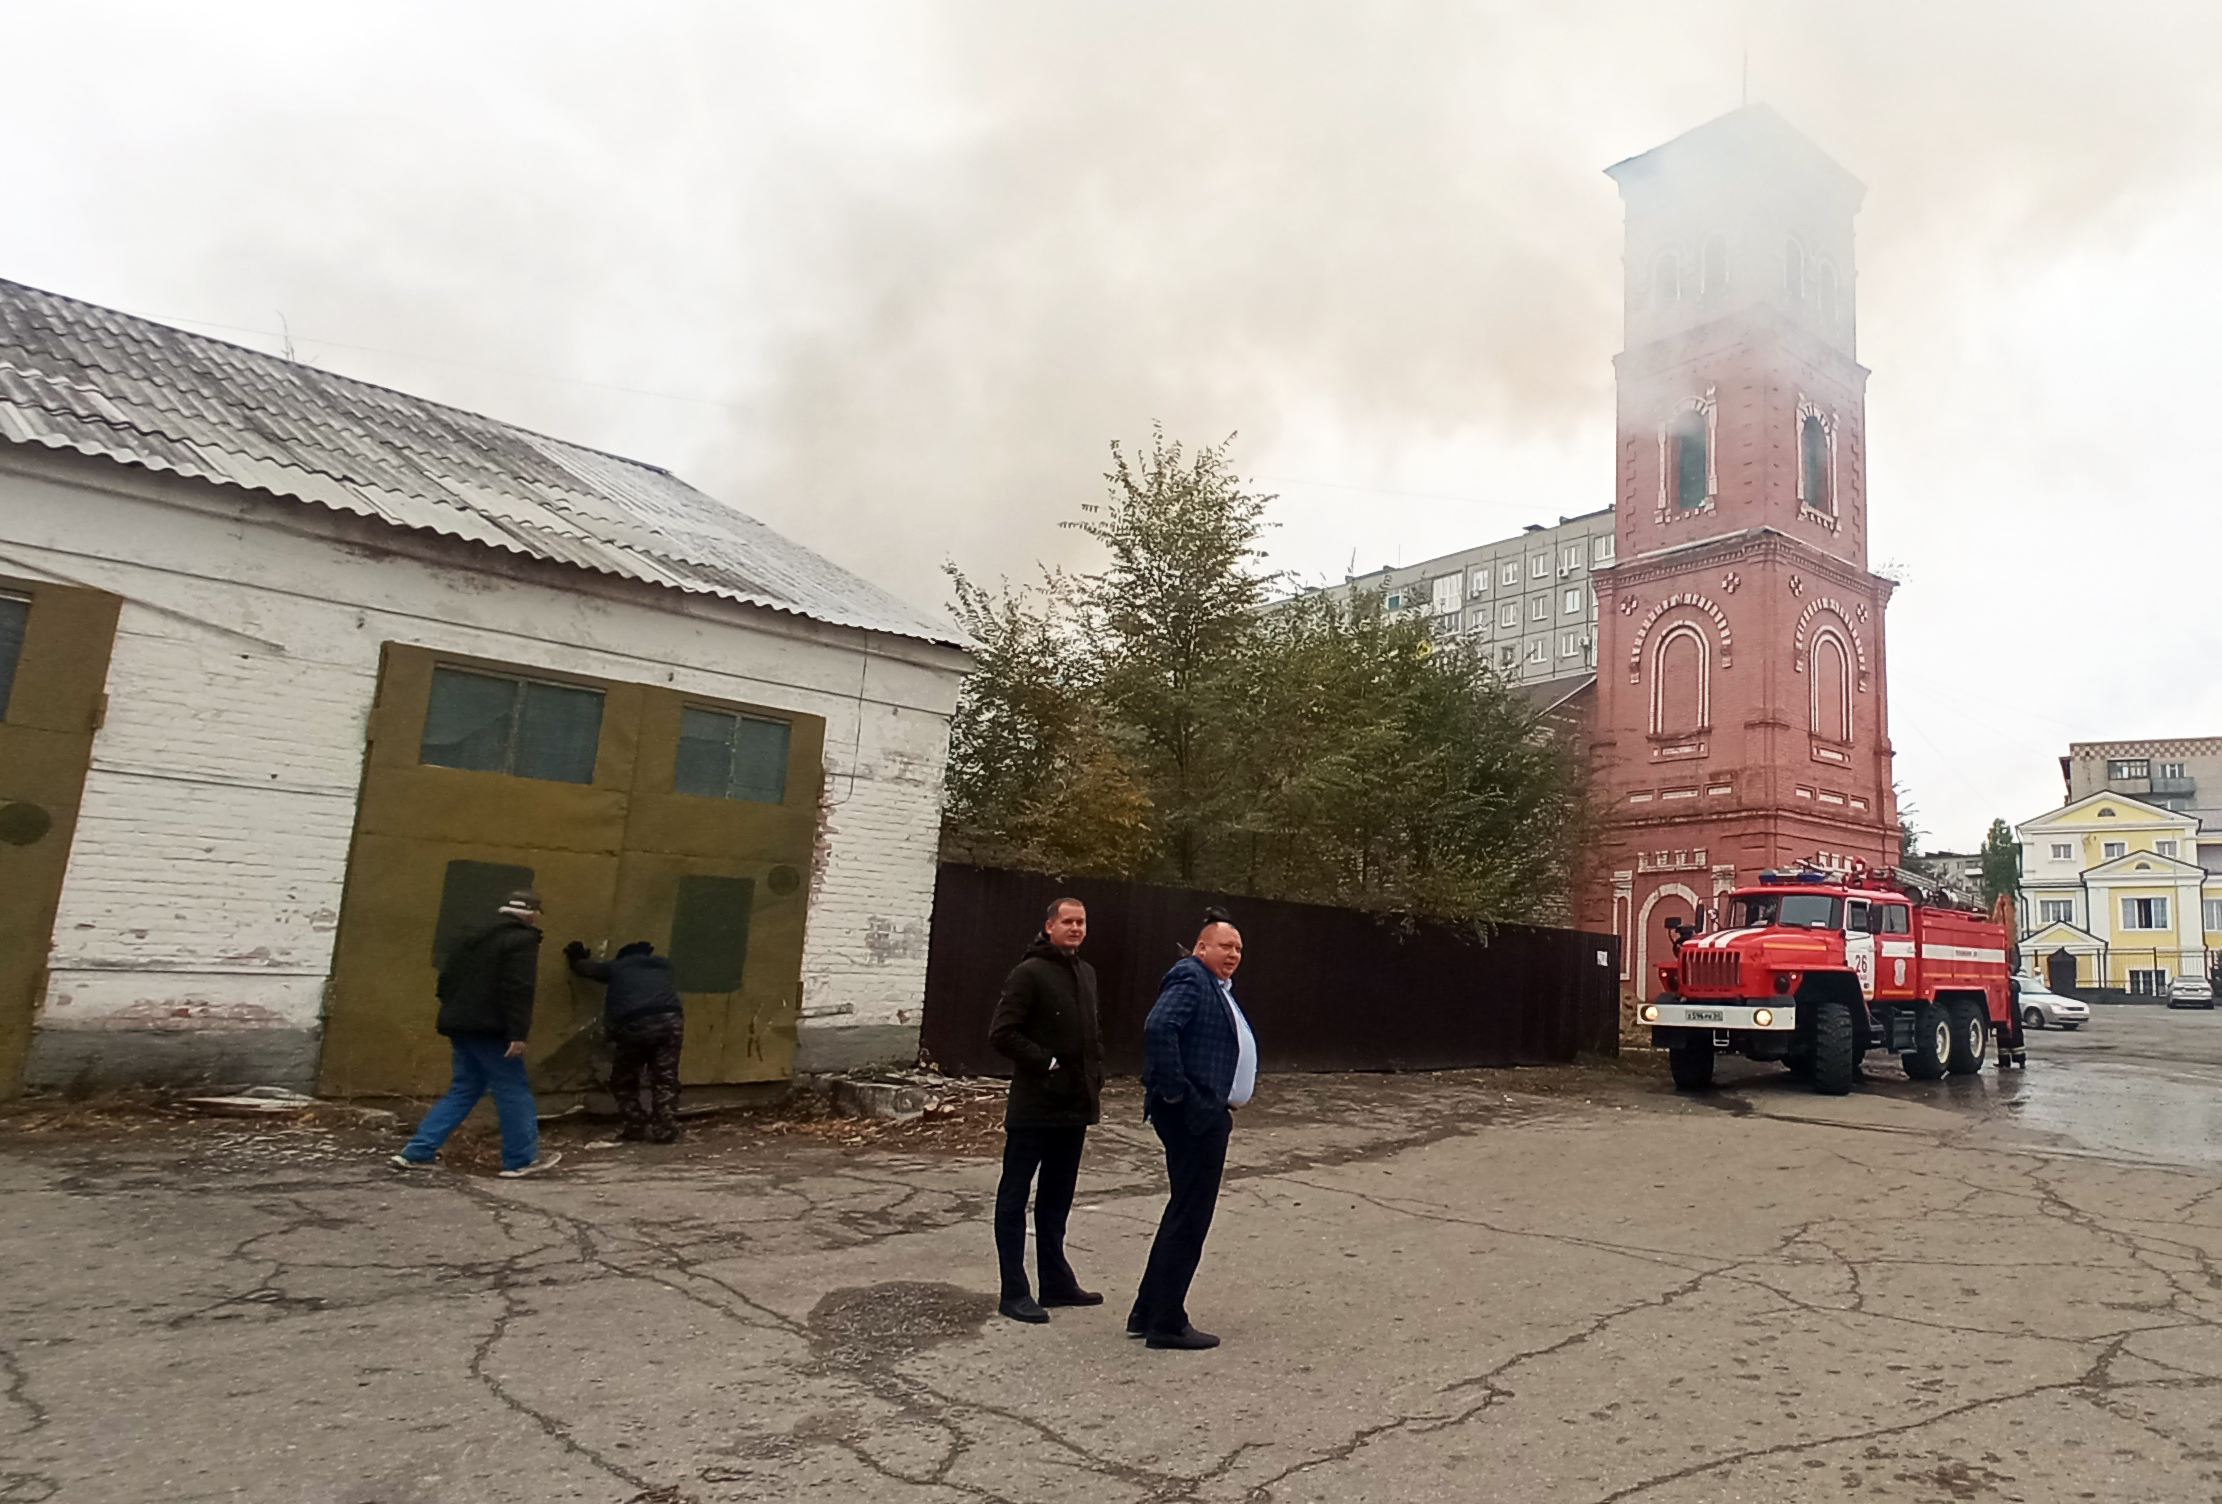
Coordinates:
(2113, 886)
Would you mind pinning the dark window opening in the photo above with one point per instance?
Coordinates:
(468, 900)
(1813, 458)
(709, 932)
(1897, 919)
(1691, 474)
(1716, 266)
(15, 615)
(485, 724)
(725, 756)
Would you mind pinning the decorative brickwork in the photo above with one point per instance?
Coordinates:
(1746, 724)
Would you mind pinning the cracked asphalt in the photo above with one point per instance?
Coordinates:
(1561, 1285)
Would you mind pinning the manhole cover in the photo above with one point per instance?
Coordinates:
(879, 1323)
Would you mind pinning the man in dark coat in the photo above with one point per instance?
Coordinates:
(645, 1024)
(1045, 1024)
(485, 990)
(1200, 1060)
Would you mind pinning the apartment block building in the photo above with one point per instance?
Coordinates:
(2182, 774)
(1526, 600)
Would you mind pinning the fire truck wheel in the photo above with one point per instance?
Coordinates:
(1932, 1043)
(1692, 1065)
(1835, 1058)
(1971, 1038)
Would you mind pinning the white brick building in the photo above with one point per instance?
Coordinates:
(277, 548)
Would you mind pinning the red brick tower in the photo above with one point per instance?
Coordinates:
(1740, 668)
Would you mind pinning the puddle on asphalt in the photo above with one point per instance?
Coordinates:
(2133, 1111)
(2113, 1109)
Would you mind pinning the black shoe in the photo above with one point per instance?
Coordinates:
(1023, 1308)
(1137, 1325)
(1187, 1339)
(631, 1134)
(1073, 1297)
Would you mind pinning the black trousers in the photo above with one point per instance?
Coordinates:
(1194, 1162)
(1053, 1153)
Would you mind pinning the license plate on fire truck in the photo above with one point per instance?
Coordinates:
(1669, 1015)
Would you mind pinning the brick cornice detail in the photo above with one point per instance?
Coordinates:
(1760, 544)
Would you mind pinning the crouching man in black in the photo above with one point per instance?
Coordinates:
(642, 1017)
(1045, 1024)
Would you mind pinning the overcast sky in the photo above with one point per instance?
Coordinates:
(891, 276)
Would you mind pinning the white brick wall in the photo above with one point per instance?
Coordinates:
(205, 879)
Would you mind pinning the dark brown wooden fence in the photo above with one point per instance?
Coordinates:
(1326, 989)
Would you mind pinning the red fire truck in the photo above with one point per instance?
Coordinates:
(1815, 969)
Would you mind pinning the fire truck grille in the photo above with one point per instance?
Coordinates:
(1712, 970)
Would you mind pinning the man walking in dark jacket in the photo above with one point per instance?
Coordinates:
(1045, 1024)
(486, 990)
(1199, 1060)
(643, 1021)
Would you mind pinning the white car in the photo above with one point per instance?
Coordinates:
(2191, 992)
(2040, 1005)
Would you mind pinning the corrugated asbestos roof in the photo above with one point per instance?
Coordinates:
(77, 376)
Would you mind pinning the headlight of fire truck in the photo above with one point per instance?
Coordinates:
(1650, 1013)
(1786, 982)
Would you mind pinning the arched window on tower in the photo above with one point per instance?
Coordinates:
(1793, 271)
(1829, 667)
(1666, 281)
(1716, 266)
(1678, 687)
(1689, 467)
(1815, 474)
(1824, 294)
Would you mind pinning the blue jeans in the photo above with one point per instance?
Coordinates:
(482, 1065)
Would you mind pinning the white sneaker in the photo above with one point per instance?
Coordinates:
(544, 1162)
(404, 1162)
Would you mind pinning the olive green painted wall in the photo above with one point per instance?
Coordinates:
(607, 859)
(46, 744)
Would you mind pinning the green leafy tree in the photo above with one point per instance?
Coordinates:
(1310, 750)
(1172, 612)
(2001, 858)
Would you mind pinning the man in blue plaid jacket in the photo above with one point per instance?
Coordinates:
(1200, 1060)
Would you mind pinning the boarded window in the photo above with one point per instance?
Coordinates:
(15, 614)
(1691, 474)
(709, 932)
(724, 756)
(1813, 458)
(1832, 700)
(484, 723)
(1678, 709)
(469, 898)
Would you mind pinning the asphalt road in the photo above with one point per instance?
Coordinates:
(1568, 1285)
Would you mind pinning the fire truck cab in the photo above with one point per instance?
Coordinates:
(1815, 969)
